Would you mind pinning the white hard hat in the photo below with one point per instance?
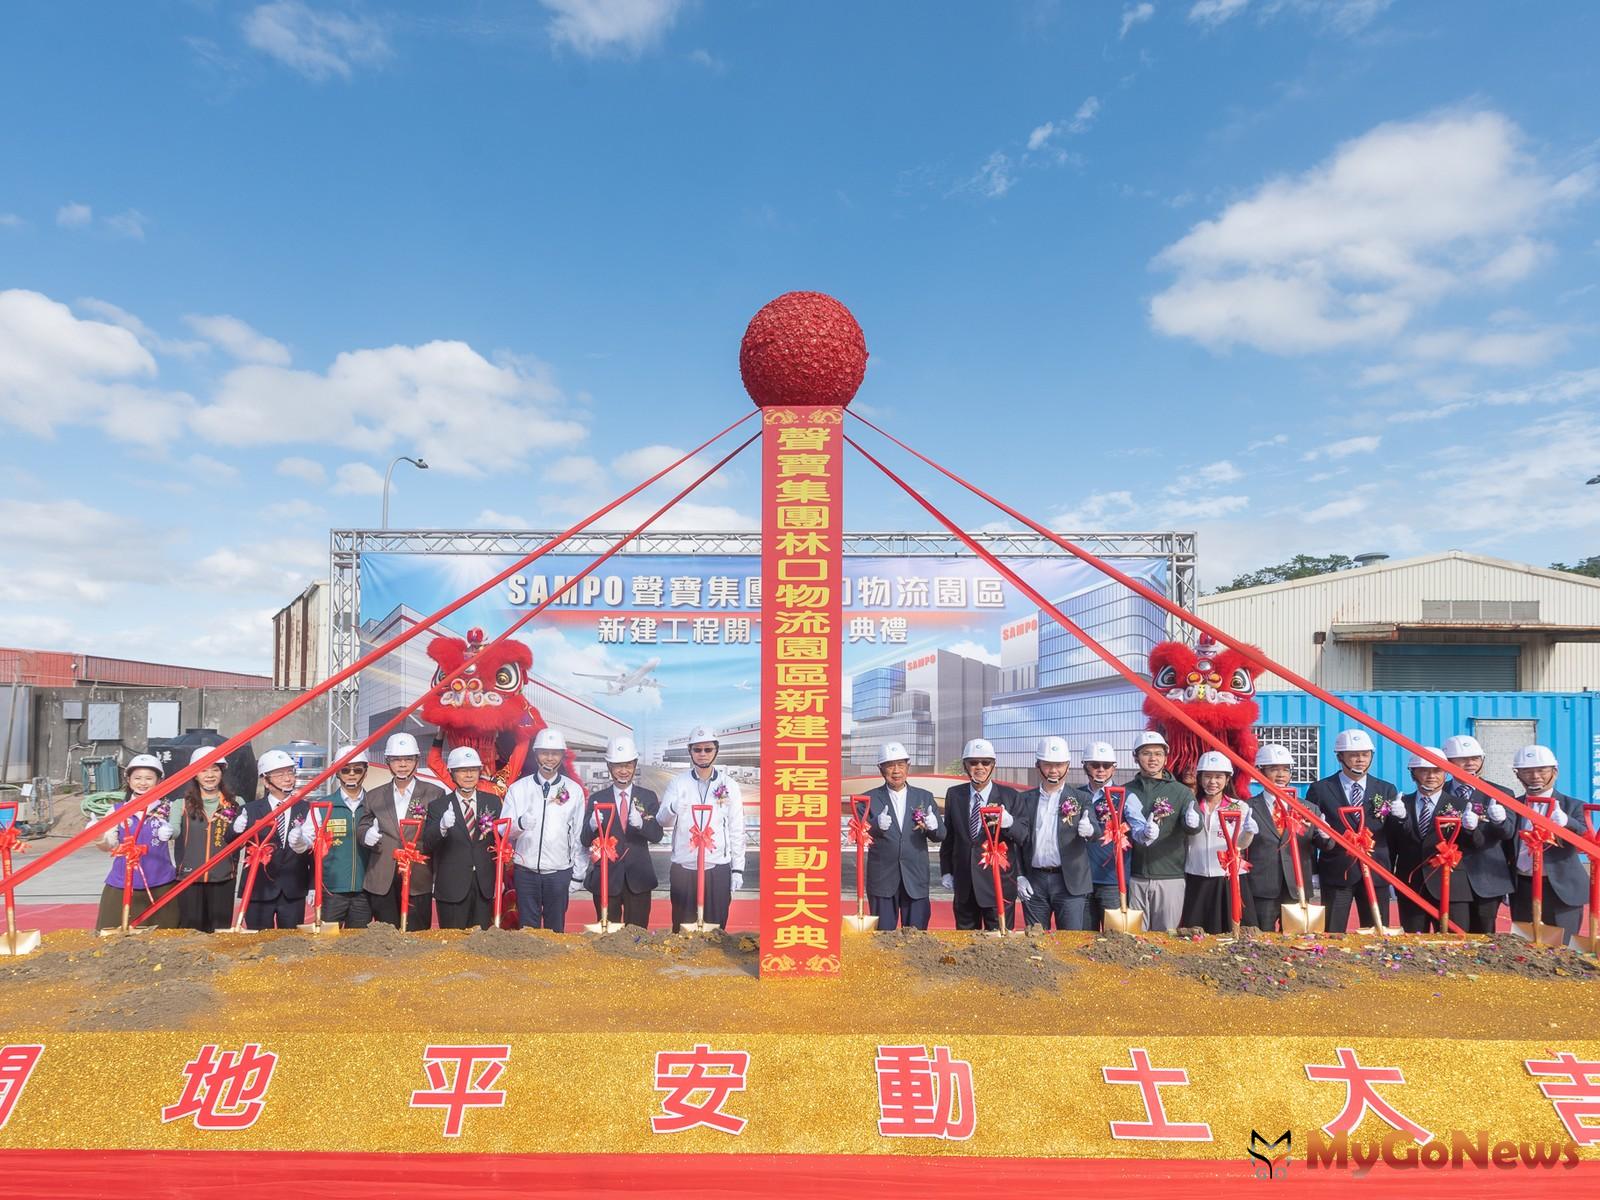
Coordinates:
(273, 760)
(1417, 763)
(978, 748)
(1052, 749)
(1462, 745)
(892, 752)
(462, 756)
(1534, 756)
(549, 739)
(621, 750)
(1353, 740)
(1274, 755)
(1150, 737)
(1100, 752)
(201, 751)
(401, 745)
(1214, 760)
(702, 733)
(357, 759)
(146, 760)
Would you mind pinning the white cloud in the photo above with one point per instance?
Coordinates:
(598, 27)
(32, 630)
(278, 566)
(74, 216)
(1339, 16)
(708, 60)
(64, 549)
(128, 224)
(1334, 510)
(175, 347)
(305, 469)
(211, 470)
(293, 510)
(443, 400)
(358, 479)
(1204, 508)
(56, 369)
(1348, 252)
(239, 339)
(1277, 439)
(11, 221)
(1364, 444)
(975, 650)
(490, 519)
(633, 466)
(1215, 12)
(1094, 512)
(1135, 14)
(1084, 117)
(317, 44)
(1219, 472)
(1041, 135)
(994, 178)
(1490, 349)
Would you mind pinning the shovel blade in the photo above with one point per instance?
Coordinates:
(1304, 918)
(1124, 920)
(23, 941)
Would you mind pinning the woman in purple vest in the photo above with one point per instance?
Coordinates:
(151, 829)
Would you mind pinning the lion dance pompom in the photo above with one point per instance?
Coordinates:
(1216, 687)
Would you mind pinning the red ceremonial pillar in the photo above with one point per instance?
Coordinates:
(801, 591)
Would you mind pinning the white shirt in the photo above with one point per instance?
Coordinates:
(1347, 783)
(402, 799)
(1204, 844)
(353, 803)
(1046, 852)
(1525, 855)
(897, 802)
(548, 828)
(727, 818)
(299, 839)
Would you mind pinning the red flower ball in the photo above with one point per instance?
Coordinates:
(802, 348)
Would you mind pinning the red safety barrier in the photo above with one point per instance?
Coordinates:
(1253, 653)
(333, 767)
(1133, 677)
(172, 782)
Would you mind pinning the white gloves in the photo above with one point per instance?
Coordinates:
(1397, 808)
(1559, 816)
(885, 820)
(635, 817)
(1085, 826)
(1469, 820)
(162, 832)
(737, 880)
(1152, 831)
(373, 835)
(1497, 811)
(947, 881)
(448, 821)
(1024, 888)
(300, 836)
(594, 821)
(241, 822)
(575, 886)
(1191, 816)
(109, 839)
(1006, 819)
(930, 820)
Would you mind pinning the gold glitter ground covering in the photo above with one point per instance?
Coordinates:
(1037, 1017)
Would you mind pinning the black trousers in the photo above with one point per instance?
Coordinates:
(1551, 911)
(627, 907)
(472, 912)
(353, 910)
(1483, 914)
(1263, 912)
(386, 908)
(681, 887)
(1414, 919)
(275, 914)
(970, 914)
(900, 909)
(1337, 901)
(207, 907)
(542, 898)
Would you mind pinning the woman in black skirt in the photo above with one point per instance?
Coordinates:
(1207, 892)
(205, 828)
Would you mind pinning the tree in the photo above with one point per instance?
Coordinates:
(1589, 566)
(1301, 566)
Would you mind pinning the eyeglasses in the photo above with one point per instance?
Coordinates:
(355, 770)
(702, 749)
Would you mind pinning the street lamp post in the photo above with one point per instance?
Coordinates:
(420, 463)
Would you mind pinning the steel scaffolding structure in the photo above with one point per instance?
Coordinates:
(346, 546)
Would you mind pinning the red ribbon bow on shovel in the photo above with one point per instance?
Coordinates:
(605, 847)
(701, 837)
(1447, 856)
(860, 832)
(1000, 855)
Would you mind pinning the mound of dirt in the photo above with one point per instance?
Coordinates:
(1017, 964)
(1504, 954)
(1261, 966)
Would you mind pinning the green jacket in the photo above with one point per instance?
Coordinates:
(1162, 859)
(345, 868)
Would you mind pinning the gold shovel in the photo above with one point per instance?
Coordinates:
(1123, 919)
(862, 836)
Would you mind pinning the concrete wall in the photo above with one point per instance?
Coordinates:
(59, 744)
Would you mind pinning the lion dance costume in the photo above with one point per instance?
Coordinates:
(1216, 687)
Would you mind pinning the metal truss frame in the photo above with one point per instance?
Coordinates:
(346, 546)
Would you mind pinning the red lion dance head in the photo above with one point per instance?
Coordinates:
(1216, 687)
(484, 707)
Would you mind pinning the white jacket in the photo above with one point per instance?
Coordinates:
(548, 833)
(1205, 843)
(727, 819)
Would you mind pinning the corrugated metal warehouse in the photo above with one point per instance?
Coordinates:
(1442, 622)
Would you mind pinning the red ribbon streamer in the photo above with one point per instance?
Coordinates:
(603, 847)
(1233, 859)
(1115, 834)
(1001, 856)
(1448, 857)
(861, 832)
(258, 852)
(701, 837)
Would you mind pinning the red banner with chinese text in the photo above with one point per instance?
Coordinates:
(801, 537)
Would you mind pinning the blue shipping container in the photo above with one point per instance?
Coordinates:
(1567, 722)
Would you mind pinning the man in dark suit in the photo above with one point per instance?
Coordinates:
(632, 877)
(1566, 883)
(403, 797)
(1488, 856)
(459, 838)
(1416, 839)
(278, 898)
(1271, 868)
(961, 853)
(1338, 873)
(1058, 878)
(904, 822)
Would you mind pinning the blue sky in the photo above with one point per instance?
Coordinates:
(1301, 275)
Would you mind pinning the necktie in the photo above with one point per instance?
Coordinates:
(977, 821)
(622, 806)
(1355, 794)
(545, 784)
(1427, 814)
(283, 824)
(471, 810)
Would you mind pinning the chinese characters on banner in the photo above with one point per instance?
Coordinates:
(801, 511)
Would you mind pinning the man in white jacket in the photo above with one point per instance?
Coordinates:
(546, 812)
(703, 783)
